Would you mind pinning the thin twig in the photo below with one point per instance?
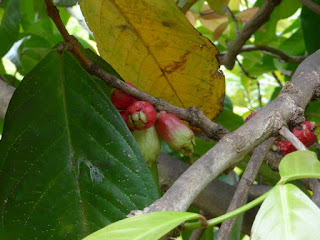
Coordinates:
(283, 56)
(236, 22)
(248, 29)
(244, 185)
(285, 132)
(277, 79)
(311, 5)
(244, 70)
(254, 78)
(193, 115)
(259, 94)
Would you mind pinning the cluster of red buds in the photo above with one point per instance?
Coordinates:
(147, 125)
(306, 134)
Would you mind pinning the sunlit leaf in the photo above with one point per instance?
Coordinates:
(68, 163)
(286, 214)
(152, 44)
(149, 226)
(299, 164)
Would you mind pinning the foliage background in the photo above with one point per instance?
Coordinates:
(28, 35)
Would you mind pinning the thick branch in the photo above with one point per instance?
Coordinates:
(249, 28)
(288, 107)
(213, 200)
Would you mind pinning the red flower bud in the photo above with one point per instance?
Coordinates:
(178, 135)
(121, 100)
(141, 115)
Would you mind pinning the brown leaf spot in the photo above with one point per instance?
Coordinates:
(124, 27)
(168, 24)
(176, 65)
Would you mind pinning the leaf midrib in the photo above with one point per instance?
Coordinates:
(72, 157)
(148, 49)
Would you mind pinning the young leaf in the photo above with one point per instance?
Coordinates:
(286, 214)
(152, 44)
(68, 164)
(299, 164)
(148, 226)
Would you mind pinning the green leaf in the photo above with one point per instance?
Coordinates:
(40, 9)
(9, 27)
(299, 164)
(286, 214)
(68, 164)
(229, 120)
(148, 226)
(267, 34)
(311, 28)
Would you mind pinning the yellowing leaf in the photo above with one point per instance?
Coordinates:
(152, 44)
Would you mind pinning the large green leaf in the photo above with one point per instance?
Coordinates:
(286, 214)
(144, 227)
(68, 164)
(299, 164)
(9, 27)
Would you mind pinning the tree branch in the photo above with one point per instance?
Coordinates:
(249, 28)
(193, 115)
(283, 56)
(285, 132)
(213, 200)
(311, 5)
(288, 107)
(244, 186)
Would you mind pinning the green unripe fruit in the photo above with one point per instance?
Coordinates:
(149, 144)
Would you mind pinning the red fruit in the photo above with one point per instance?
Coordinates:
(141, 115)
(285, 147)
(121, 100)
(305, 135)
(251, 115)
(124, 116)
(175, 133)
